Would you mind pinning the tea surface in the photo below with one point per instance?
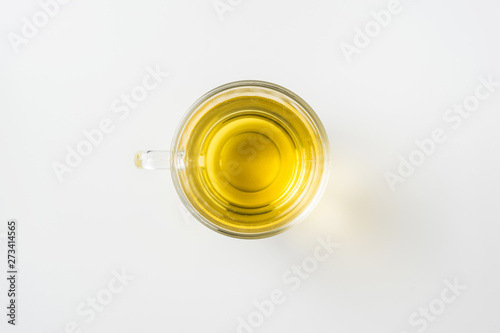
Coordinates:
(248, 162)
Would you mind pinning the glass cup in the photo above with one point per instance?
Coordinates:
(248, 160)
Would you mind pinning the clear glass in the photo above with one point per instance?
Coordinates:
(178, 163)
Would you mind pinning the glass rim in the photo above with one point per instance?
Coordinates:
(314, 120)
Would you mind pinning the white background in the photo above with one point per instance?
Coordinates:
(396, 248)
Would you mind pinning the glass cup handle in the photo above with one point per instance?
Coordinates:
(153, 159)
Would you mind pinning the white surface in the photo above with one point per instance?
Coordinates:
(396, 248)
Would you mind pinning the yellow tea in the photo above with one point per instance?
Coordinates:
(251, 161)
